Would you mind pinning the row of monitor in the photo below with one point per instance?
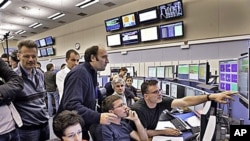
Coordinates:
(43, 52)
(197, 72)
(154, 33)
(47, 41)
(166, 11)
(234, 76)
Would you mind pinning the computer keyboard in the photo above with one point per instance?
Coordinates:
(195, 130)
(180, 124)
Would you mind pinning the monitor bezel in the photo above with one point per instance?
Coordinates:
(136, 20)
(112, 30)
(156, 19)
(130, 43)
(116, 45)
(169, 24)
(157, 32)
(171, 4)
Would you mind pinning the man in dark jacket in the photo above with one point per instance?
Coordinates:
(8, 90)
(80, 89)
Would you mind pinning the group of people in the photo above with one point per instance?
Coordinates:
(24, 90)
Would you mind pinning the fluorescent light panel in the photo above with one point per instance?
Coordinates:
(5, 4)
(20, 32)
(35, 25)
(86, 3)
(56, 16)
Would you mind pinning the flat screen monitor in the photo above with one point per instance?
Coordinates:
(113, 24)
(105, 79)
(194, 72)
(129, 20)
(173, 90)
(50, 51)
(99, 80)
(130, 37)
(171, 10)
(183, 71)
(114, 40)
(160, 71)
(42, 42)
(165, 87)
(169, 71)
(148, 15)
(228, 78)
(173, 30)
(37, 43)
(243, 78)
(49, 41)
(209, 109)
(43, 52)
(149, 34)
(151, 71)
(39, 53)
(210, 131)
(139, 82)
(204, 70)
(131, 70)
(135, 83)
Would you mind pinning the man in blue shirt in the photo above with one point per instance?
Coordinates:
(80, 89)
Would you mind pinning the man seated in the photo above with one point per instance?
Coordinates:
(118, 129)
(150, 107)
(67, 126)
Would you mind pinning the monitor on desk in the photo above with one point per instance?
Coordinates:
(183, 71)
(210, 132)
(165, 87)
(209, 109)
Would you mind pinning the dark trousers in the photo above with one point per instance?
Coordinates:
(11, 136)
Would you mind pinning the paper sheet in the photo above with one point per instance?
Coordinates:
(166, 138)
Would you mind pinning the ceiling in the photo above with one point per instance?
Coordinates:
(20, 14)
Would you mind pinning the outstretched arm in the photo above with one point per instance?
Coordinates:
(222, 97)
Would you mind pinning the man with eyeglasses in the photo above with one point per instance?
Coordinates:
(150, 107)
(67, 126)
(30, 102)
(119, 129)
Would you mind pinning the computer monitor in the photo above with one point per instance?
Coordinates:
(160, 71)
(177, 90)
(169, 71)
(131, 70)
(165, 87)
(114, 40)
(137, 81)
(183, 71)
(194, 72)
(204, 72)
(210, 131)
(243, 79)
(228, 78)
(208, 110)
(105, 79)
(151, 71)
(99, 80)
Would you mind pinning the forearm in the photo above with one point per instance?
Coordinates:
(141, 131)
(152, 133)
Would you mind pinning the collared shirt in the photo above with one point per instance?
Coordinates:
(60, 77)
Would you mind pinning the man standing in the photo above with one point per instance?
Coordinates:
(30, 102)
(80, 89)
(50, 84)
(8, 90)
(72, 59)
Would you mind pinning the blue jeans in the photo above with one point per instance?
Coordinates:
(11, 136)
(55, 95)
(39, 134)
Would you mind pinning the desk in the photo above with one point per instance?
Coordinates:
(164, 124)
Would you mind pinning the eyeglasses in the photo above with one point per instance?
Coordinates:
(119, 106)
(119, 86)
(72, 135)
(155, 92)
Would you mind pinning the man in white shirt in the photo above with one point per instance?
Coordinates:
(72, 59)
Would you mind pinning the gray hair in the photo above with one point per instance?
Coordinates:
(117, 80)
